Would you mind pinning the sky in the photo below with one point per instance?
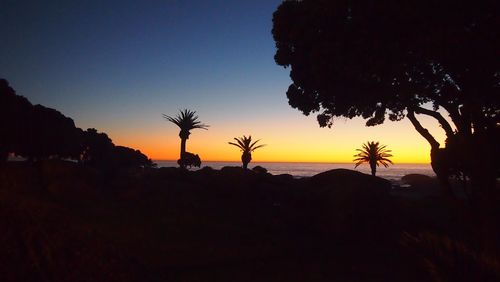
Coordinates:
(117, 66)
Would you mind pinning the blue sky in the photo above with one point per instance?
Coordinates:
(118, 65)
(88, 57)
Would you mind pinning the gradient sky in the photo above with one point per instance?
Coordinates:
(118, 65)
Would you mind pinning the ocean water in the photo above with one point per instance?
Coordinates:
(392, 173)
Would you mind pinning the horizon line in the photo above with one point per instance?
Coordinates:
(314, 162)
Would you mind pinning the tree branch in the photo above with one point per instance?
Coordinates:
(424, 132)
(444, 123)
(456, 117)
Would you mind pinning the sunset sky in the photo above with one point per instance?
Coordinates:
(117, 66)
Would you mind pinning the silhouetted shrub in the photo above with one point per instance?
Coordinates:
(189, 160)
(129, 158)
(15, 112)
(37, 133)
(52, 134)
(96, 147)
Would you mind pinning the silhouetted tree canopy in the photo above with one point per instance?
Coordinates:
(14, 113)
(96, 146)
(129, 158)
(37, 132)
(52, 134)
(378, 59)
(368, 58)
(99, 151)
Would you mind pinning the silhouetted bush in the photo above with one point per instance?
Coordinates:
(96, 147)
(129, 158)
(189, 160)
(38, 133)
(15, 113)
(52, 134)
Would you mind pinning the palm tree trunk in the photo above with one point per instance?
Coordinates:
(373, 166)
(245, 159)
(183, 152)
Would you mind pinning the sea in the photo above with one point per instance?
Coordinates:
(393, 173)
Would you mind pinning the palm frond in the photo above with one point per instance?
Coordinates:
(358, 163)
(235, 144)
(372, 151)
(259, 146)
(255, 142)
(186, 120)
(245, 143)
(363, 159)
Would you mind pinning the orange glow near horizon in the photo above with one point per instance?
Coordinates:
(298, 140)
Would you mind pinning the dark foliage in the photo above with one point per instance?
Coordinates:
(37, 132)
(96, 146)
(374, 59)
(128, 157)
(52, 134)
(361, 58)
(14, 117)
(99, 151)
(189, 160)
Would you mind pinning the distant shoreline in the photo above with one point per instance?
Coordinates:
(393, 173)
(293, 162)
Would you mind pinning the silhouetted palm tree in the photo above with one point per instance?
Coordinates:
(247, 147)
(374, 154)
(185, 120)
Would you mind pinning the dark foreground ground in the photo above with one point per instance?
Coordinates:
(63, 222)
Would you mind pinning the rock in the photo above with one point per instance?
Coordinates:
(259, 169)
(282, 179)
(206, 170)
(417, 179)
(355, 180)
(171, 172)
(420, 186)
(204, 174)
(232, 172)
(349, 203)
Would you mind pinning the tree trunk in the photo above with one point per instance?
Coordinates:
(246, 157)
(183, 152)
(440, 166)
(438, 157)
(373, 166)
